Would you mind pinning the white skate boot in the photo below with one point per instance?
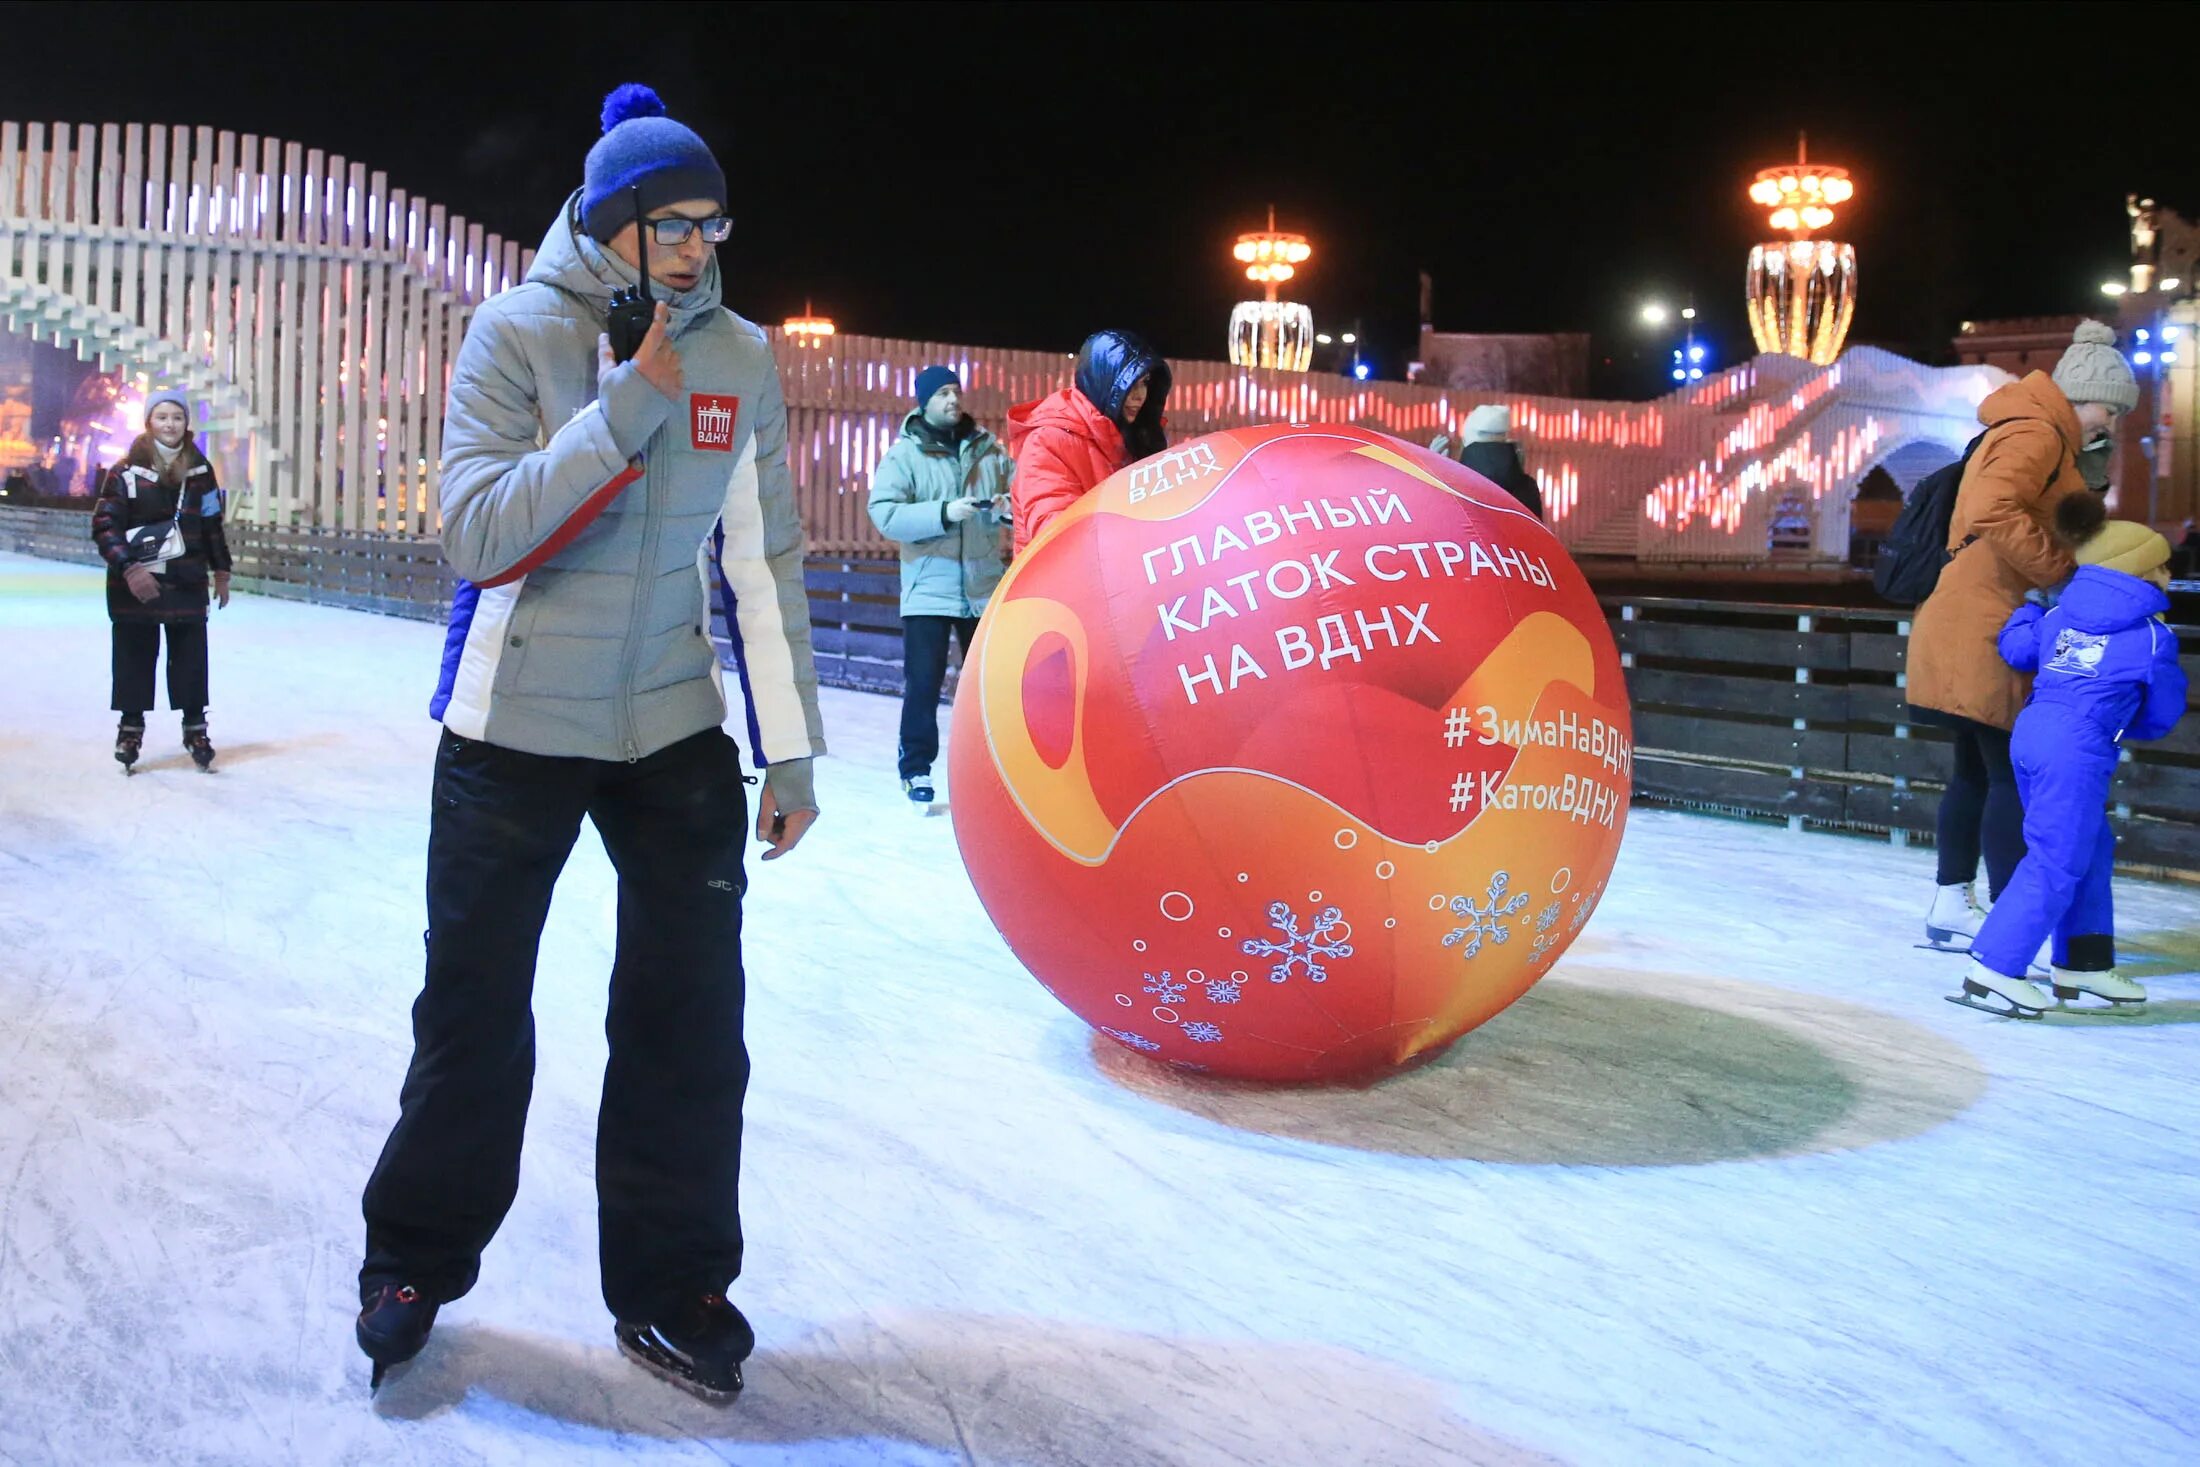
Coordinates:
(1995, 993)
(1954, 919)
(2120, 991)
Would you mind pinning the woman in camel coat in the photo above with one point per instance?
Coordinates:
(2001, 546)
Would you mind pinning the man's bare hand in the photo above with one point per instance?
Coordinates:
(781, 830)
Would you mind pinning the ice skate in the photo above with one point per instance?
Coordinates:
(129, 740)
(1995, 993)
(918, 787)
(2122, 994)
(1953, 921)
(699, 1348)
(394, 1321)
(201, 747)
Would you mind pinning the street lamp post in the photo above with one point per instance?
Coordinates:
(809, 328)
(1802, 291)
(1271, 332)
(1690, 356)
(2154, 351)
(1356, 369)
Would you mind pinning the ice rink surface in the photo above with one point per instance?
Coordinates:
(1733, 1186)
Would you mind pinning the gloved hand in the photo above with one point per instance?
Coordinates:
(959, 510)
(221, 588)
(142, 582)
(1441, 444)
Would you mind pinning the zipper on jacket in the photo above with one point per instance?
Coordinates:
(644, 583)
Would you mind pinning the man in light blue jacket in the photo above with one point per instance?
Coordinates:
(592, 506)
(941, 492)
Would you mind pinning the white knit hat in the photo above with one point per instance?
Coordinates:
(1492, 422)
(2092, 370)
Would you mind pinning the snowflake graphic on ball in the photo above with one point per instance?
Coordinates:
(1485, 923)
(1300, 949)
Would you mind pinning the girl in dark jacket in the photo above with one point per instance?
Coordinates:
(163, 481)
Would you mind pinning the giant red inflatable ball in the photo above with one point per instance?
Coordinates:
(1292, 753)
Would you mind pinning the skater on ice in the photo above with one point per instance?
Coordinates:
(158, 525)
(582, 499)
(1112, 415)
(2107, 672)
(941, 494)
(2001, 544)
(1486, 446)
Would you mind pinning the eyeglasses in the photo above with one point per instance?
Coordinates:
(675, 230)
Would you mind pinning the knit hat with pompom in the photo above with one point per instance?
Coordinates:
(2092, 370)
(643, 148)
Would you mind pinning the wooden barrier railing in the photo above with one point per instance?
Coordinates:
(1798, 712)
(397, 575)
(1790, 712)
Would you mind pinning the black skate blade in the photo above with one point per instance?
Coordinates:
(671, 1373)
(2002, 1010)
(1934, 947)
(385, 1371)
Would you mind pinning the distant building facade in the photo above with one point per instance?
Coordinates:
(1551, 365)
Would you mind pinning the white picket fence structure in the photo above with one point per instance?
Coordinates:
(313, 312)
(309, 309)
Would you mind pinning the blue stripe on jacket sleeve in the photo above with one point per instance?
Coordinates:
(729, 604)
(463, 600)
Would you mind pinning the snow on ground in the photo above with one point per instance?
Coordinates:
(1733, 1186)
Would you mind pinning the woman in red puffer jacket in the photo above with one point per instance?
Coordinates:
(1066, 443)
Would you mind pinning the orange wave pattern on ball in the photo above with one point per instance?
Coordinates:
(1294, 754)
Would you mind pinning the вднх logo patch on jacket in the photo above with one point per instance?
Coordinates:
(711, 418)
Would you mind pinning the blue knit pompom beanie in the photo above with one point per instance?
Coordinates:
(643, 148)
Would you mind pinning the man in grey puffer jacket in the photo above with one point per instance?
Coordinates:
(942, 492)
(591, 506)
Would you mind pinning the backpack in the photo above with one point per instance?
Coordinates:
(1909, 563)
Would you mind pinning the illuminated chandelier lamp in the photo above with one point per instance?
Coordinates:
(1802, 291)
(809, 327)
(1272, 333)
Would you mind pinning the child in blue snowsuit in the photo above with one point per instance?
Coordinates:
(2107, 671)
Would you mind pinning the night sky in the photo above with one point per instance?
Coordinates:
(1017, 175)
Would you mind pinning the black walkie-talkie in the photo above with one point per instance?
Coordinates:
(633, 311)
